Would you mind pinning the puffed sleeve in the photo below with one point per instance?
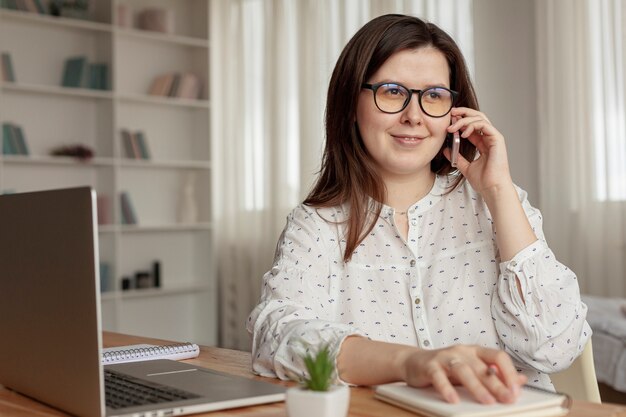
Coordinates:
(295, 312)
(546, 329)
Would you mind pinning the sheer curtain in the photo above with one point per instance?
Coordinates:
(271, 63)
(581, 95)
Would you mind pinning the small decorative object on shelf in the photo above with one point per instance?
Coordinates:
(81, 152)
(124, 16)
(143, 278)
(188, 208)
(317, 397)
(156, 19)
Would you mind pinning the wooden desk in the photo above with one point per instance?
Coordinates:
(362, 402)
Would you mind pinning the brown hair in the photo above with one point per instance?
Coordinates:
(348, 173)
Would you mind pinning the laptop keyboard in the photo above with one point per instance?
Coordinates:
(125, 391)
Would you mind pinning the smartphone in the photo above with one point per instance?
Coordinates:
(456, 143)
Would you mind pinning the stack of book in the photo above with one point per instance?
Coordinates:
(13, 140)
(175, 84)
(35, 6)
(135, 145)
(78, 73)
(128, 211)
(6, 69)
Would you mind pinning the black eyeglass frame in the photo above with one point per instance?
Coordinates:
(420, 93)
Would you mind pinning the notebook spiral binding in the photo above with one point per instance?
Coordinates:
(174, 351)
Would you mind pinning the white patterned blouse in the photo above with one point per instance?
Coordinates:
(445, 285)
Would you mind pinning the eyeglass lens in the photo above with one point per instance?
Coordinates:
(434, 101)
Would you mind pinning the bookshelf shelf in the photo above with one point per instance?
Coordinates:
(200, 165)
(161, 37)
(163, 101)
(176, 136)
(155, 292)
(197, 227)
(81, 93)
(59, 22)
(58, 160)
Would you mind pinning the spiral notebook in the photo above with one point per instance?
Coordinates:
(145, 352)
(532, 402)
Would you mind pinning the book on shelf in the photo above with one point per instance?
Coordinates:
(190, 86)
(179, 85)
(74, 72)
(128, 211)
(7, 68)
(33, 6)
(13, 140)
(140, 139)
(20, 140)
(532, 401)
(98, 76)
(135, 144)
(145, 352)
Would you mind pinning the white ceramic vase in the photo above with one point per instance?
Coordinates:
(306, 403)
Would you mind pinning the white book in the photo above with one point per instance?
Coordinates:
(532, 402)
(145, 352)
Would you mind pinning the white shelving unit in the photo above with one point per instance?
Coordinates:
(177, 132)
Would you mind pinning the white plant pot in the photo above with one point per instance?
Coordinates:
(306, 403)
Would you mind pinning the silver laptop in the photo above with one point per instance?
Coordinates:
(50, 321)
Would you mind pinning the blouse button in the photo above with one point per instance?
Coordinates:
(412, 262)
(414, 222)
(513, 264)
(417, 301)
(426, 343)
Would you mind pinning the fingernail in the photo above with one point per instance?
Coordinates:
(487, 399)
(452, 397)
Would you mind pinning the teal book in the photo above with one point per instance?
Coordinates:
(104, 77)
(74, 72)
(143, 145)
(94, 76)
(7, 141)
(7, 68)
(40, 8)
(20, 140)
(128, 211)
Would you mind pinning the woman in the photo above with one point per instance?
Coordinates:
(409, 269)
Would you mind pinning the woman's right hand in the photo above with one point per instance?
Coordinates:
(488, 374)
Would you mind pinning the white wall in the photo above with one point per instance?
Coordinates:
(504, 42)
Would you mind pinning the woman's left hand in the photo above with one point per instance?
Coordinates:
(490, 171)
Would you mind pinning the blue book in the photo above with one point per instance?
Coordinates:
(39, 6)
(74, 72)
(7, 68)
(20, 140)
(7, 142)
(143, 145)
(128, 211)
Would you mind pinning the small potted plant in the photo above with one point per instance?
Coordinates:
(317, 396)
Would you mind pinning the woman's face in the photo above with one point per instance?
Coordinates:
(404, 143)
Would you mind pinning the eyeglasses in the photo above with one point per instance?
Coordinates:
(393, 98)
